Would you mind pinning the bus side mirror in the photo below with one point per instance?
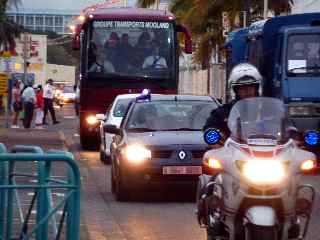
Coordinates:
(76, 42)
(187, 38)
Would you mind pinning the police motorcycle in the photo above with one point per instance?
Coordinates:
(257, 191)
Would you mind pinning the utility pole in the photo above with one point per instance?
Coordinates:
(158, 2)
(265, 9)
(25, 58)
(247, 10)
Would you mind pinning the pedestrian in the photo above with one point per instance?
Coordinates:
(48, 94)
(16, 103)
(39, 107)
(29, 100)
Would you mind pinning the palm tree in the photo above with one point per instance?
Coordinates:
(203, 18)
(8, 29)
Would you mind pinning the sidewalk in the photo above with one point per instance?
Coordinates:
(48, 138)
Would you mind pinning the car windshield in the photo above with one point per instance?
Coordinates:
(131, 48)
(259, 119)
(303, 54)
(170, 115)
(121, 107)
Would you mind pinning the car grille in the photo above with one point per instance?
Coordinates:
(161, 153)
(197, 153)
(269, 192)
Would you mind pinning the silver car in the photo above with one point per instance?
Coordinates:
(114, 115)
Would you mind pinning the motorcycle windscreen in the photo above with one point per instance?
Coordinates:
(258, 121)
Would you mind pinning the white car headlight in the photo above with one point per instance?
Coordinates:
(92, 120)
(137, 154)
(264, 172)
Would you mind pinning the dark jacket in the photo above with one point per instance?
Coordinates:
(219, 118)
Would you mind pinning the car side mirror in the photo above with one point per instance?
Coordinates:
(100, 117)
(110, 128)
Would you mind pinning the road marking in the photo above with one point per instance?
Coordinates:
(76, 135)
(69, 117)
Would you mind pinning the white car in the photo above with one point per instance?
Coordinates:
(68, 95)
(114, 115)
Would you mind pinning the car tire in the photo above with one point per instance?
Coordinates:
(113, 184)
(121, 192)
(102, 155)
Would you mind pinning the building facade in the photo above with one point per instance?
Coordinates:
(45, 20)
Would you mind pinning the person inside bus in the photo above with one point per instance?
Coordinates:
(142, 48)
(125, 51)
(155, 61)
(92, 54)
(111, 48)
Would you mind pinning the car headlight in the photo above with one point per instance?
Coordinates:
(264, 172)
(92, 120)
(299, 111)
(137, 154)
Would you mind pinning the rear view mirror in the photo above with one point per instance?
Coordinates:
(76, 42)
(187, 38)
(113, 129)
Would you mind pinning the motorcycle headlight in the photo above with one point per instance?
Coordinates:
(264, 172)
(299, 111)
(136, 154)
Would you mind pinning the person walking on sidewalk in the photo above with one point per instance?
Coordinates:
(29, 99)
(39, 107)
(17, 104)
(48, 95)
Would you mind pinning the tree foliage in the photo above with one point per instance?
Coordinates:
(204, 18)
(8, 29)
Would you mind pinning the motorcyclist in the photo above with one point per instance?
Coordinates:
(245, 82)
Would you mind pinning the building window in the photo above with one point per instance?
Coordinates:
(20, 19)
(49, 29)
(59, 29)
(39, 20)
(58, 20)
(49, 20)
(39, 28)
(29, 20)
(11, 18)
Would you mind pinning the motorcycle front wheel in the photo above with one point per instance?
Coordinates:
(254, 232)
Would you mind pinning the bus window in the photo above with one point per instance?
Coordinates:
(123, 47)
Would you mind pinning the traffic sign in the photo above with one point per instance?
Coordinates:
(3, 84)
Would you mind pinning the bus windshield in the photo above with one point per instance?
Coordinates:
(131, 49)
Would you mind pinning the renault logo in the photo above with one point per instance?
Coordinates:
(182, 155)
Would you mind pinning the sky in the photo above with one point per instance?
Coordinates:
(61, 4)
(301, 6)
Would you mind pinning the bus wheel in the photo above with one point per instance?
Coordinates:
(86, 144)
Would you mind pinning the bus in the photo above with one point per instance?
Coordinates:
(124, 50)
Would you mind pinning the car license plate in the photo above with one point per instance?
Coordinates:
(182, 170)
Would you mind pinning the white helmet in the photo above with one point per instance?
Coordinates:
(244, 74)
